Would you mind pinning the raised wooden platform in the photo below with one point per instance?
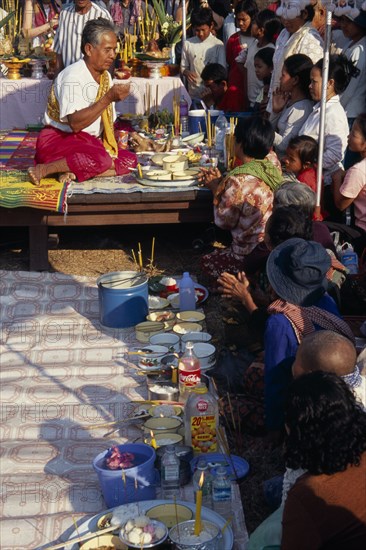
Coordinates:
(189, 206)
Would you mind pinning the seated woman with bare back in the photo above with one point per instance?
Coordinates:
(78, 140)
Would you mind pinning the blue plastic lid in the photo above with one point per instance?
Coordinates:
(236, 467)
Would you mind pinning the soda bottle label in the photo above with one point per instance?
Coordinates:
(203, 431)
(191, 378)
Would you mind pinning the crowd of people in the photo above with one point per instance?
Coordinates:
(281, 266)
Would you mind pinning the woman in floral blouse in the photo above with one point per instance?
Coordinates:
(243, 200)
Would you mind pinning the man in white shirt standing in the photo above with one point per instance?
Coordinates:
(71, 24)
(199, 51)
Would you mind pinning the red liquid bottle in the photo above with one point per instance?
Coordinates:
(189, 371)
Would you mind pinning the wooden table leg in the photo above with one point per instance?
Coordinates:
(38, 247)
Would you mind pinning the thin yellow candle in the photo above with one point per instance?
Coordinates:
(152, 250)
(139, 170)
(125, 59)
(174, 375)
(197, 522)
(153, 441)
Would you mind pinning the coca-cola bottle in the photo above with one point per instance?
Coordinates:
(189, 371)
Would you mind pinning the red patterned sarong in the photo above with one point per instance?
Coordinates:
(85, 155)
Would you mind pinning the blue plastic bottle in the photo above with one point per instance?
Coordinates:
(187, 297)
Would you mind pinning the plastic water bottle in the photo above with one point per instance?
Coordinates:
(201, 418)
(187, 295)
(221, 493)
(183, 113)
(189, 371)
(202, 467)
(220, 131)
(170, 463)
(349, 259)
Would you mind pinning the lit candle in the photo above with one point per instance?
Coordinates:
(197, 522)
(153, 441)
(174, 375)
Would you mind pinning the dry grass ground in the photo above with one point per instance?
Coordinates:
(94, 251)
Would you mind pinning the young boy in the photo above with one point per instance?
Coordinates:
(220, 95)
(199, 51)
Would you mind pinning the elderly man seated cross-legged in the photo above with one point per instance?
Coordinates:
(78, 141)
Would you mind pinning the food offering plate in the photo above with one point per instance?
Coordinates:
(90, 524)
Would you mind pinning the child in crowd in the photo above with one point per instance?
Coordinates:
(263, 66)
(238, 43)
(352, 189)
(301, 158)
(266, 26)
(219, 94)
(199, 51)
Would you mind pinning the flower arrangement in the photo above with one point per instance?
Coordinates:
(170, 30)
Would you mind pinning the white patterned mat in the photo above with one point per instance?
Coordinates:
(61, 372)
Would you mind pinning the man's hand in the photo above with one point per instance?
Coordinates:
(118, 92)
(191, 76)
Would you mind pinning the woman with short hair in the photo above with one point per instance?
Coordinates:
(326, 436)
(243, 199)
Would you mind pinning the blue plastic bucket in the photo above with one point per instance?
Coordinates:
(123, 298)
(197, 120)
(140, 480)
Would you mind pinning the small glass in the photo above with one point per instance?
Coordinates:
(182, 535)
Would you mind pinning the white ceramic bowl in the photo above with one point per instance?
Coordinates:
(205, 353)
(175, 163)
(166, 317)
(158, 175)
(162, 425)
(151, 359)
(156, 302)
(194, 138)
(171, 341)
(183, 328)
(191, 316)
(195, 337)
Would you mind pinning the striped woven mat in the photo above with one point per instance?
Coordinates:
(16, 190)
(17, 150)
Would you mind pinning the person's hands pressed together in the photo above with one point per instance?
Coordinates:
(237, 287)
(279, 100)
(210, 177)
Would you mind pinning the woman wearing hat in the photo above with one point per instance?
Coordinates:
(296, 270)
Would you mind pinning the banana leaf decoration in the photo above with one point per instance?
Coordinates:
(6, 19)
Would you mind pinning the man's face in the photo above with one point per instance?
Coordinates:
(101, 57)
(202, 32)
(82, 4)
(217, 89)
